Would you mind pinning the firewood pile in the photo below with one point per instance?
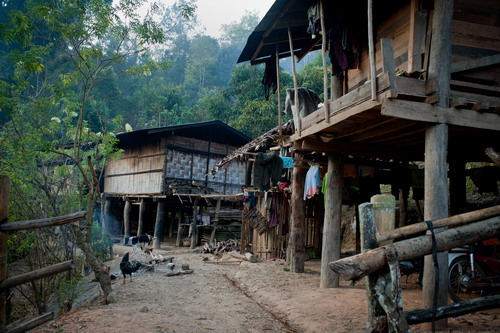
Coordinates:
(222, 246)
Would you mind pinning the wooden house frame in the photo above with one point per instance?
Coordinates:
(162, 174)
(427, 88)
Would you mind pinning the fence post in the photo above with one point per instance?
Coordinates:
(377, 320)
(4, 203)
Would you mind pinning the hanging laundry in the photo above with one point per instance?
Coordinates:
(287, 162)
(343, 50)
(273, 214)
(267, 170)
(314, 17)
(270, 79)
(313, 181)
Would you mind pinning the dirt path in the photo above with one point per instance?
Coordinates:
(259, 297)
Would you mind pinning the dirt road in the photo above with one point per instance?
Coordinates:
(250, 297)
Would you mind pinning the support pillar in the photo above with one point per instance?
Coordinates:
(436, 146)
(126, 219)
(106, 220)
(333, 218)
(142, 207)
(297, 223)
(160, 218)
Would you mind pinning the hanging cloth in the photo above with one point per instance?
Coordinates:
(313, 182)
(270, 78)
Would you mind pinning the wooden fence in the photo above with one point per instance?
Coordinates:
(6, 283)
(380, 265)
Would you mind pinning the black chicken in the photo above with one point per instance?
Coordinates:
(127, 267)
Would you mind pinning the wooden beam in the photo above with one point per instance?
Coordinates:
(434, 114)
(32, 323)
(332, 222)
(325, 69)
(37, 274)
(358, 266)
(466, 65)
(41, 223)
(310, 46)
(449, 222)
(278, 81)
(295, 107)
(453, 310)
(371, 52)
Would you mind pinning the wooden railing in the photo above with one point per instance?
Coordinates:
(380, 265)
(6, 283)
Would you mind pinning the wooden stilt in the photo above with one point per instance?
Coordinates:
(194, 226)
(126, 219)
(142, 207)
(160, 218)
(325, 69)
(371, 52)
(216, 220)
(106, 227)
(297, 223)
(332, 222)
(295, 107)
(278, 84)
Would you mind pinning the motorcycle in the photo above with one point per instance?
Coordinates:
(474, 271)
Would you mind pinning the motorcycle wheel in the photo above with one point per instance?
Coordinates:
(458, 271)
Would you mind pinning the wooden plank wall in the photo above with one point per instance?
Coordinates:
(139, 171)
(397, 28)
(476, 34)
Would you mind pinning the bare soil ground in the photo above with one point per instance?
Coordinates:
(249, 297)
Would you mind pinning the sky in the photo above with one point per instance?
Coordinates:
(213, 13)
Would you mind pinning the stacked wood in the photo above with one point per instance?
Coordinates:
(189, 271)
(220, 247)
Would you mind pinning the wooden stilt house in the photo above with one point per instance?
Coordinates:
(407, 81)
(156, 185)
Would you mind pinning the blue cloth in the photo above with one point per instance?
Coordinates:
(313, 182)
(287, 162)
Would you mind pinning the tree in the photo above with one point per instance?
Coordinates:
(86, 42)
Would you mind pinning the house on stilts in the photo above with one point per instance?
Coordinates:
(160, 185)
(411, 94)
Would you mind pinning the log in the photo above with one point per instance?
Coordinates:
(450, 222)
(355, 267)
(37, 274)
(493, 155)
(371, 52)
(42, 223)
(454, 310)
(32, 323)
(126, 219)
(142, 207)
(188, 271)
(160, 218)
(247, 256)
(297, 221)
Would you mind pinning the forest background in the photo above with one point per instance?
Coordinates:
(73, 74)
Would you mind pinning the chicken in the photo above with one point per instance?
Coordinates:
(127, 267)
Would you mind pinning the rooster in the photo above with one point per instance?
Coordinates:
(127, 267)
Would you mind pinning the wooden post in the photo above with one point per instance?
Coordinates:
(106, 226)
(32, 323)
(384, 210)
(332, 221)
(458, 188)
(371, 52)
(171, 220)
(194, 230)
(436, 145)
(325, 69)
(4, 209)
(337, 87)
(160, 218)
(126, 219)
(216, 220)
(178, 242)
(297, 220)
(295, 107)
(376, 315)
(142, 207)
(278, 83)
